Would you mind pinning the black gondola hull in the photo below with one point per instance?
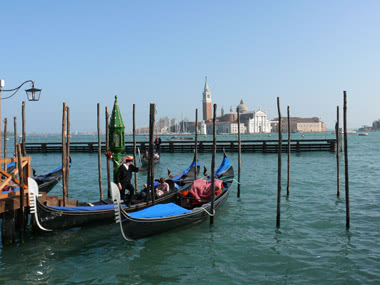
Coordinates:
(54, 219)
(47, 186)
(140, 228)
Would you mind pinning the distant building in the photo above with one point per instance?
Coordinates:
(202, 128)
(229, 117)
(302, 125)
(250, 121)
(226, 128)
(376, 125)
(255, 121)
(207, 110)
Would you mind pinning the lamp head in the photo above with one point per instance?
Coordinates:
(33, 94)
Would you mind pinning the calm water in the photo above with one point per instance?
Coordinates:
(243, 245)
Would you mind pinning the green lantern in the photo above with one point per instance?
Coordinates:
(116, 136)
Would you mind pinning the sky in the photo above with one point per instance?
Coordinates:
(307, 52)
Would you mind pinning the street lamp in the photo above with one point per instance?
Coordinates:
(33, 94)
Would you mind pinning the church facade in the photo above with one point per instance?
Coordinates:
(256, 122)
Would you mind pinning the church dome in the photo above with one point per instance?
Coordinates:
(241, 108)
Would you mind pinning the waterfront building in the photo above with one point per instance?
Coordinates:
(230, 128)
(202, 128)
(301, 125)
(225, 127)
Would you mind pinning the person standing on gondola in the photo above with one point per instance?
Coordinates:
(123, 179)
(157, 143)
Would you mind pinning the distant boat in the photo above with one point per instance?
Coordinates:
(182, 138)
(145, 158)
(45, 181)
(363, 134)
(349, 132)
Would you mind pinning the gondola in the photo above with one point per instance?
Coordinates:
(145, 159)
(57, 217)
(45, 181)
(164, 217)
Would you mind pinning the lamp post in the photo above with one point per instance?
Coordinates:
(33, 94)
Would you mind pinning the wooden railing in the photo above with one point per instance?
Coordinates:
(11, 178)
(266, 146)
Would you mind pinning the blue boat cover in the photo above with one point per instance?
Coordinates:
(11, 164)
(185, 171)
(50, 172)
(160, 211)
(10, 191)
(224, 166)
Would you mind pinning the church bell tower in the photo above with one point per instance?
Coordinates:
(207, 110)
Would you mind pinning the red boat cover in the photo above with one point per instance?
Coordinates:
(201, 189)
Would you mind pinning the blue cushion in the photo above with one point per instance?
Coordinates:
(160, 211)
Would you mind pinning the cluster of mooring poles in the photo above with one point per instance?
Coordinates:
(337, 150)
(115, 146)
(12, 205)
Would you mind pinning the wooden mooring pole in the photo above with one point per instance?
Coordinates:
(239, 154)
(278, 218)
(99, 153)
(0, 123)
(64, 193)
(196, 145)
(213, 166)
(5, 141)
(337, 134)
(21, 216)
(346, 162)
(23, 129)
(289, 140)
(134, 142)
(151, 159)
(68, 136)
(108, 158)
(14, 136)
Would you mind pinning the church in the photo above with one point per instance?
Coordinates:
(250, 121)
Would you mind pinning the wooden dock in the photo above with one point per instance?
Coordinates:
(260, 146)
